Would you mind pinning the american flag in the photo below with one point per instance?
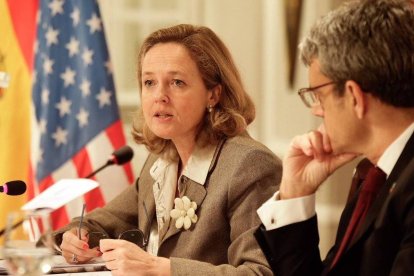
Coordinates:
(76, 123)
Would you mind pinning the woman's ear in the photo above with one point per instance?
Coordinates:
(215, 94)
(358, 98)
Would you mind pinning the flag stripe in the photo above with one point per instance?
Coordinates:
(24, 24)
(117, 142)
(111, 179)
(83, 166)
(73, 208)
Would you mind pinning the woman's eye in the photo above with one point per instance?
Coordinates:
(148, 83)
(178, 83)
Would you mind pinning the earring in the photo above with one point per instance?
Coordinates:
(210, 108)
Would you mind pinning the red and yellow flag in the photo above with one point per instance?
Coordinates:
(17, 34)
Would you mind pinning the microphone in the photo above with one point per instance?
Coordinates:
(119, 157)
(13, 188)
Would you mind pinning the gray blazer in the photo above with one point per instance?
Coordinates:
(243, 174)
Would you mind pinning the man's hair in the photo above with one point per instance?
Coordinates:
(369, 42)
(234, 110)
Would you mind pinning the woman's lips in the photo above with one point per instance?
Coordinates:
(162, 115)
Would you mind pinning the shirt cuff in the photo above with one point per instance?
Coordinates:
(276, 213)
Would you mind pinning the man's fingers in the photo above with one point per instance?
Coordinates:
(316, 140)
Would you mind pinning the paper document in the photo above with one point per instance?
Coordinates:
(61, 193)
(59, 265)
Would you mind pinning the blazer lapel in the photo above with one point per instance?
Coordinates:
(195, 192)
(402, 162)
(146, 202)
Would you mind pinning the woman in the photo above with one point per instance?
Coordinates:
(196, 197)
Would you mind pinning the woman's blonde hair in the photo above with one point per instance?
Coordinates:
(234, 110)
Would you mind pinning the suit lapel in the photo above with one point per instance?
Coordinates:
(402, 162)
(145, 218)
(146, 198)
(195, 192)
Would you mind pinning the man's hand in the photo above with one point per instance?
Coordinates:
(308, 163)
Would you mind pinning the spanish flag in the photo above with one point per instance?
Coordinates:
(17, 36)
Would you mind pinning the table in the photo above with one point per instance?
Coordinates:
(63, 268)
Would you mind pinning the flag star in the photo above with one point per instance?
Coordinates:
(63, 106)
(94, 23)
(45, 96)
(73, 46)
(42, 126)
(87, 56)
(51, 36)
(56, 7)
(108, 66)
(82, 117)
(47, 66)
(60, 136)
(75, 15)
(104, 97)
(85, 87)
(68, 77)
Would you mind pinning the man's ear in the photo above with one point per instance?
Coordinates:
(215, 95)
(358, 97)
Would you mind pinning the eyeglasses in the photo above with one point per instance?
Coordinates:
(135, 236)
(309, 97)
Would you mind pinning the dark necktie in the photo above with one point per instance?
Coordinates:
(369, 191)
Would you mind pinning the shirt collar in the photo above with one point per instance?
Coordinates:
(199, 163)
(390, 156)
(197, 167)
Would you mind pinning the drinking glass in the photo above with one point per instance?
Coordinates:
(28, 243)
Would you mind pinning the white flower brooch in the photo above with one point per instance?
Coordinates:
(184, 212)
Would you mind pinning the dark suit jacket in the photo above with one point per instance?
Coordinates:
(383, 246)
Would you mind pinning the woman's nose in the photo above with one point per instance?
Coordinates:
(161, 94)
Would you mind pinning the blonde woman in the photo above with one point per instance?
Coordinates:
(196, 199)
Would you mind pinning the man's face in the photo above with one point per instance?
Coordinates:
(339, 122)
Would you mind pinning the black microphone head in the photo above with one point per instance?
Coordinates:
(122, 155)
(16, 187)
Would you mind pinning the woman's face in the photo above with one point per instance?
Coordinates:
(174, 98)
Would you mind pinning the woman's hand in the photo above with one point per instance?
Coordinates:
(308, 163)
(76, 250)
(125, 258)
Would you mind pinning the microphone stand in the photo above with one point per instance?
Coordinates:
(17, 224)
(110, 162)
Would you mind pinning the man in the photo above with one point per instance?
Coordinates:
(361, 75)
